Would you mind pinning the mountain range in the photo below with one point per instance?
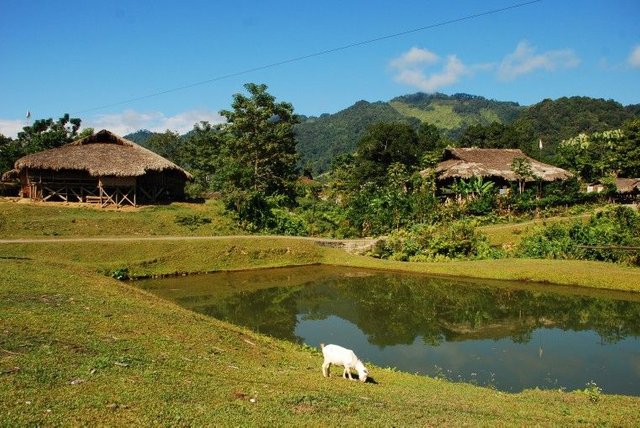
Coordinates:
(322, 138)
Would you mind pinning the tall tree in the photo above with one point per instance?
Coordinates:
(383, 145)
(168, 145)
(262, 145)
(203, 153)
(630, 148)
(596, 155)
(522, 169)
(48, 133)
(10, 150)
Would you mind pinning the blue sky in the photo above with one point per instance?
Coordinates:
(91, 58)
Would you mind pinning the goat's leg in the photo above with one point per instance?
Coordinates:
(346, 373)
(325, 369)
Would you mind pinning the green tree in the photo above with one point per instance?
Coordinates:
(486, 137)
(630, 148)
(258, 159)
(433, 144)
(383, 145)
(48, 133)
(262, 146)
(203, 153)
(561, 119)
(168, 145)
(600, 154)
(10, 151)
(522, 169)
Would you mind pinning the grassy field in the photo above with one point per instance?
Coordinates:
(80, 348)
(28, 220)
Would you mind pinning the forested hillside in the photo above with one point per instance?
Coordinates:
(452, 114)
(140, 137)
(555, 120)
(321, 139)
(465, 120)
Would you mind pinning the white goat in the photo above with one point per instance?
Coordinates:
(334, 354)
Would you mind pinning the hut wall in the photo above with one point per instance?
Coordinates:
(64, 185)
(161, 186)
(111, 181)
(79, 186)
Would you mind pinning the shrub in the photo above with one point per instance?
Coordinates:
(283, 222)
(193, 221)
(598, 239)
(458, 240)
(121, 274)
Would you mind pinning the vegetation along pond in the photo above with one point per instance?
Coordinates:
(510, 336)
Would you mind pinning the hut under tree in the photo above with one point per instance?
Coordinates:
(494, 165)
(627, 190)
(102, 168)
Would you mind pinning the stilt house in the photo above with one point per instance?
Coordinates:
(102, 168)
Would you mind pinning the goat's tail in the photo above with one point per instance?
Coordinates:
(322, 346)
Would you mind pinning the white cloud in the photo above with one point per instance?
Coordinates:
(525, 60)
(411, 70)
(11, 127)
(130, 121)
(414, 57)
(634, 57)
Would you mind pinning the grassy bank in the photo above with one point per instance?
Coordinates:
(77, 347)
(80, 348)
(173, 257)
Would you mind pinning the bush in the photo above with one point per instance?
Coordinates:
(284, 222)
(192, 222)
(482, 205)
(551, 242)
(458, 240)
(598, 239)
(121, 274)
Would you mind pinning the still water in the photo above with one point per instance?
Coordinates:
(510, 336)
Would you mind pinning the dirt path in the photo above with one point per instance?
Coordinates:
(351, 245)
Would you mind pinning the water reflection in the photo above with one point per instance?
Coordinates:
(511, 336)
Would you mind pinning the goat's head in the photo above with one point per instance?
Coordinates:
(363, 373)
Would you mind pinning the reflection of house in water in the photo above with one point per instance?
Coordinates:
(101, 168)
(493, 165)
(495, 329)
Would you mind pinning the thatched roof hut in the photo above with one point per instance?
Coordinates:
(492, 163)
(628, 185)
(103, 168)
(101, 154)
(11, 175)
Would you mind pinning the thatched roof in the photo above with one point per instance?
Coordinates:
(469, 162)
(11, 175)
(101, 154)
(627, 185)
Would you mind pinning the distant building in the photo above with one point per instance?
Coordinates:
(102, 168)
(627, 189)
(493, 165)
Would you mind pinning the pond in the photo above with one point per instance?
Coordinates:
(509, 336)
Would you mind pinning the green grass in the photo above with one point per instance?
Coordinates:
(21, 220)
(80, 348)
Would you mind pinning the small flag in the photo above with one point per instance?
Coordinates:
(540, 144)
